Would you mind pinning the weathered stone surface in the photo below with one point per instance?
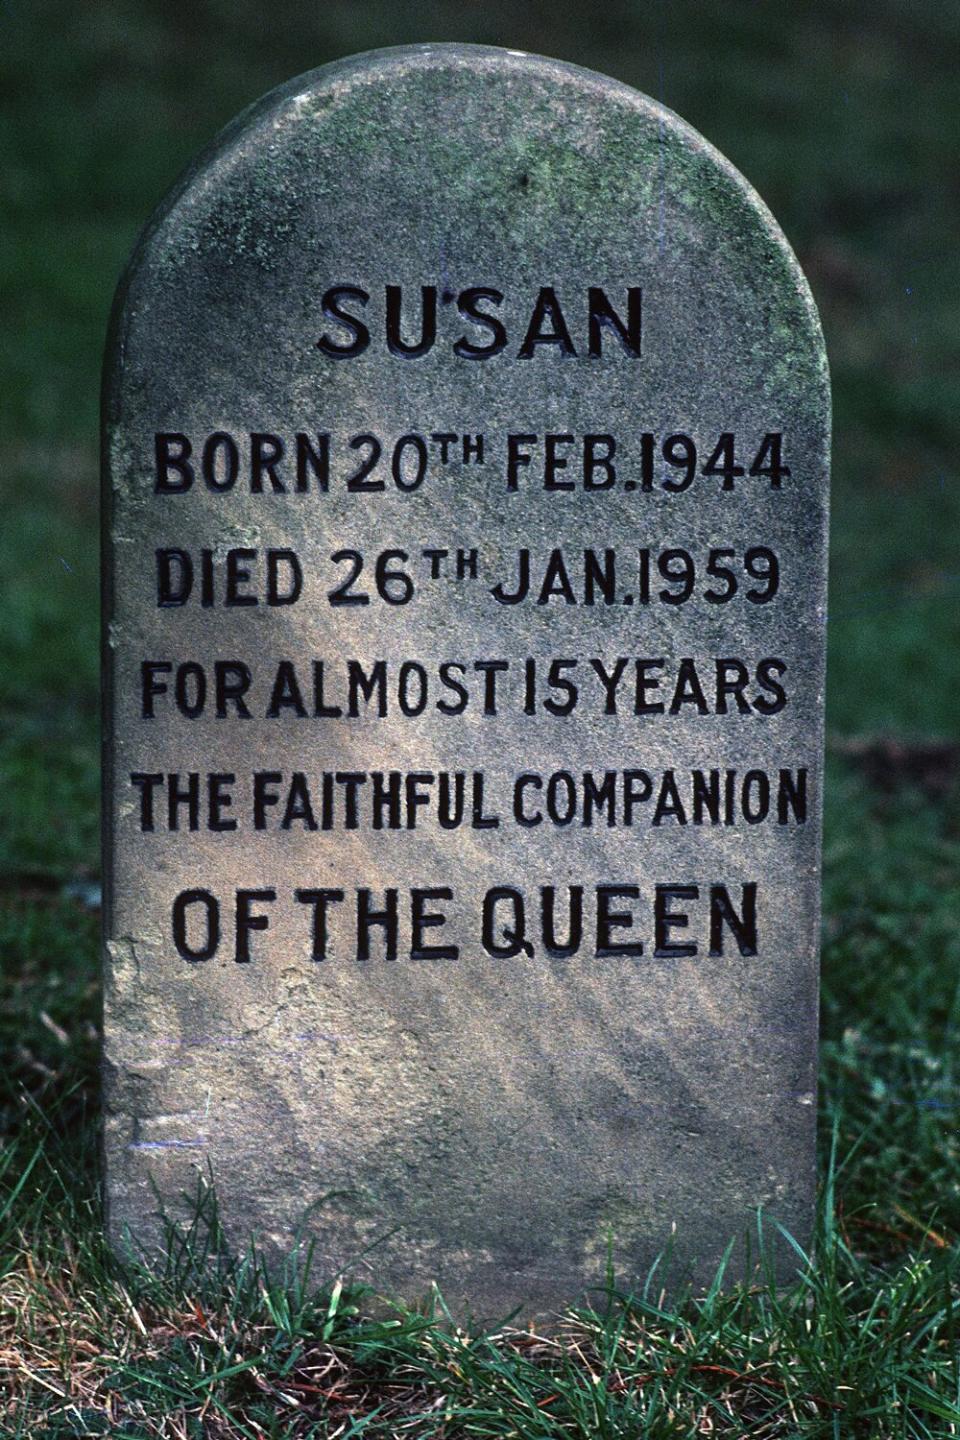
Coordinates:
(491, 1119)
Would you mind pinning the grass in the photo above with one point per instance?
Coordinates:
(843, 115)
(213, 1346)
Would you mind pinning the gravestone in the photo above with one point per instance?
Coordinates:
(466, 444)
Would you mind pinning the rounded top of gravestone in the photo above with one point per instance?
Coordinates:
(492, 168)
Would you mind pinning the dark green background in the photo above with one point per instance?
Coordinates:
(844, 117)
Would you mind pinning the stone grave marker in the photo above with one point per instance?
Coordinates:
(465, 472)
